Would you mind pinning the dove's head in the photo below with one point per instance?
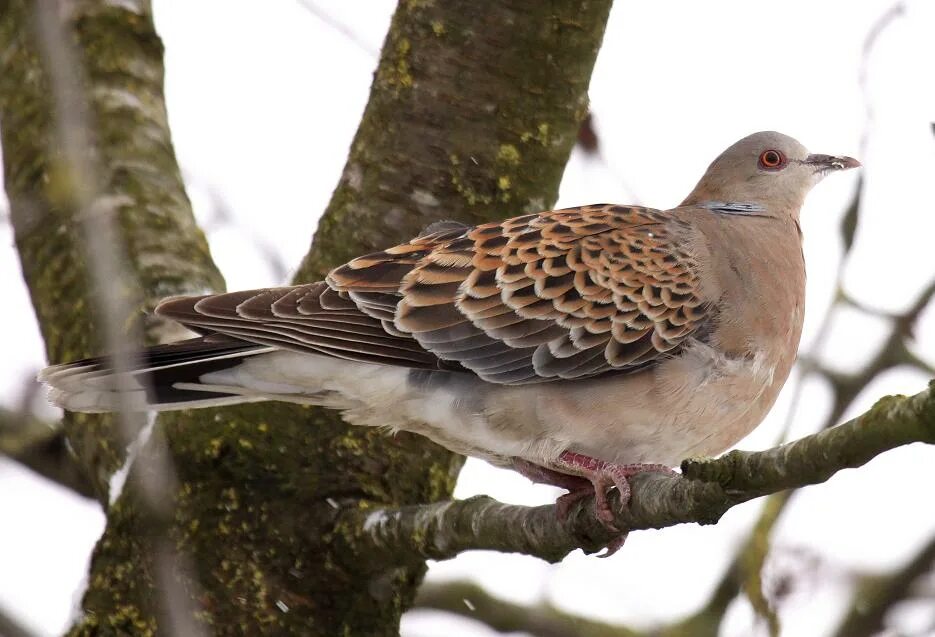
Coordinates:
(768, 170)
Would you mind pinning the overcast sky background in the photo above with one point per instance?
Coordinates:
(264, 98)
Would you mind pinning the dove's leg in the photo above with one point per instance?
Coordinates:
(589, 476)
(543, 475)
(604, 475)
(578, 487)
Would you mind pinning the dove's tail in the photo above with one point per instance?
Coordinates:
(160, 378)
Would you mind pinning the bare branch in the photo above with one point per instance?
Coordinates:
(897, 10)
(340, 27)
(41, 446)
(9, 627)
(876, 595)
(541, 620)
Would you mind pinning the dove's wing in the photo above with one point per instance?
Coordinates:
(566, 294)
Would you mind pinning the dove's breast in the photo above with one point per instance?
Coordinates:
(699, 403)
(716, 389)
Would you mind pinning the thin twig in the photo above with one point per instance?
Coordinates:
(897, 10)
(340, 27)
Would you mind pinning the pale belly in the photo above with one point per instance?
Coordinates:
(699, 403)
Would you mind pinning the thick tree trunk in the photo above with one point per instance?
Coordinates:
(472, 115)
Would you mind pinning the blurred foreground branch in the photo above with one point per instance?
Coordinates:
(708, 489)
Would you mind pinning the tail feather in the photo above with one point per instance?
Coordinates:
(164, 377)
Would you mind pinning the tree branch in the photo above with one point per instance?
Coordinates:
(542, 620)
(708, 489)
(41, 447)
(10, 627)
(876, 595)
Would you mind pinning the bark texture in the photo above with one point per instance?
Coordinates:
(472, 115)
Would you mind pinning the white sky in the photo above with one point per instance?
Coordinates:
(264, 99)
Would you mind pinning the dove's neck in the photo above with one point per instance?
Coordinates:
(761, 270)
(735, 208)
(743, 198)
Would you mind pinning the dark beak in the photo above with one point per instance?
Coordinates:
(829, 162)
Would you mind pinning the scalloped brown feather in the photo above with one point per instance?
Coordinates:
(563, 294)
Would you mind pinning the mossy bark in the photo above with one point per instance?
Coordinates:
(472, 115)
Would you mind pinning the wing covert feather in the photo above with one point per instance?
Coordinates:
(566, 294)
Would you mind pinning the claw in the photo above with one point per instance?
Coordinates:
(615, 545)
(584, 476)
(565, 503)
(604, 475)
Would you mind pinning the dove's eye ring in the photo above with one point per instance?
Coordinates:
(772, 160)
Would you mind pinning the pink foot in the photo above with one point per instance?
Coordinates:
(602, 476)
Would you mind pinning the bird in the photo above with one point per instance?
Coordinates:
(579, 346)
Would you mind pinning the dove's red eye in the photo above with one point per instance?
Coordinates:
(772, 160)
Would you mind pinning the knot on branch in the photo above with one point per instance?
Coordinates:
(717, 470)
